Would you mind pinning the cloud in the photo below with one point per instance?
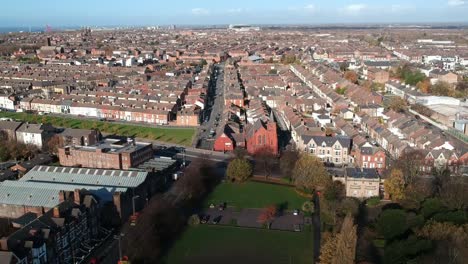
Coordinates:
(200, 11)
(355, 8)
(310, 7)
(235, 10)
(456, 2)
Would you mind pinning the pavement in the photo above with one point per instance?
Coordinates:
(248, 218)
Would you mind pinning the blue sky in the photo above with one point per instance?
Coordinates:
(161, 12)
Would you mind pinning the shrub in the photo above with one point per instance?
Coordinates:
(457, 217)
(308, 207)
(373, 201)
(194, 220)
(392, 223)
(432, 206)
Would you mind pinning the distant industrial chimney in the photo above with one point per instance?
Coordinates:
(49, 42)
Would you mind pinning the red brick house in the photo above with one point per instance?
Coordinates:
(231, 138)
(371, 157)
(261, 136)
(223, 143)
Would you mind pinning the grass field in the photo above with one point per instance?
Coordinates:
(255, 195)
(220, 244)
(181, 136)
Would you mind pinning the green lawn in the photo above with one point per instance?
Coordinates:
(181, 136)
(255, 195)
(222, 244)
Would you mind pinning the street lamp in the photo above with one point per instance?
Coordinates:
(120, 246)
(133, 202)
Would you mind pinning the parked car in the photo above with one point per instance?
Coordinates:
(217, 219)
(205, 219)
(296, 212)
(222, 206)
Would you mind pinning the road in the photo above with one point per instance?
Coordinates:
(213, 112)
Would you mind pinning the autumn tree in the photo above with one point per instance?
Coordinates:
(340, 247)
(328, 249)
(53, 144)
(395, 185)
(351, 76)
(267, 215)
(397, 104)
(309, 173)
(346, 241)
(424, 86)
(239, 169)
(288, 161)
(442, 88)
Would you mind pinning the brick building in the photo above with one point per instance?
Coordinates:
(261, 136)
(369, 156)
(108, 154)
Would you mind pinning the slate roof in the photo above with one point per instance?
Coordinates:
(367, 173)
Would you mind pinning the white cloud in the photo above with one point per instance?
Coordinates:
(354, 8)
(200, 11)
(310, 7)
(456, 2)
(235, 10)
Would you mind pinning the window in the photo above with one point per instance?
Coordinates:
(336, 160)
(337, 153)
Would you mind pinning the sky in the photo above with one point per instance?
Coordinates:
(210, 12)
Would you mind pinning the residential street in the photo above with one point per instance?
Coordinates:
(213, 111)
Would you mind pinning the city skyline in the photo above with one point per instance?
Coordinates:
(118, 13)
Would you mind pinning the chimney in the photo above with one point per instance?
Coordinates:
(56, 212)
(49, 42)
(77, 196)
(4, 244)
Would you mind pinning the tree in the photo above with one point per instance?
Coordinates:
(442, 88)
(53, 144)
(392, 223)
(397, 104)
(265, 159)
(395, 185)
(431, 206)
(410, 165)
(328, 249)
(309, 173)
(453, 193)
(308, 206)
(424, 86)
(288, 161)
(334, 191)
(351, 76)
(239, 170)
(346, 242)
(267, 215)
